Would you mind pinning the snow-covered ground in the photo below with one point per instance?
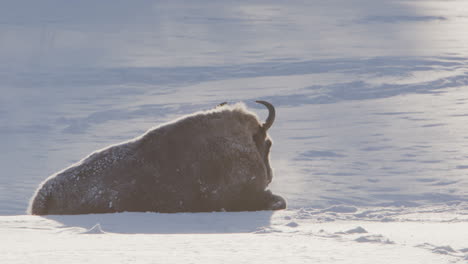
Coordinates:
(371, 99)
(339, 234)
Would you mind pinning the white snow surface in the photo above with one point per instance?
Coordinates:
(370, 145)
(289, 236)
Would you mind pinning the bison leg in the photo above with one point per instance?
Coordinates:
(257, 201)
(274, 202)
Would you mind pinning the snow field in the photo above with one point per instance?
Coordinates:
(289, 236)
(370, 144)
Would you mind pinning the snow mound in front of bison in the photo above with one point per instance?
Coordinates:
(338, 234)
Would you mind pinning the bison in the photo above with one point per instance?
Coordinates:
(215, 160)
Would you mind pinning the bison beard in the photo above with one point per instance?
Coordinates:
(215, 160)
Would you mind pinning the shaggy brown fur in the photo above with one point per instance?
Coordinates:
(208, 161)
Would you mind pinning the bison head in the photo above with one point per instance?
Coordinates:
(262, 140)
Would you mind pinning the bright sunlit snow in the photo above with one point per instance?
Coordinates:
(370, 145)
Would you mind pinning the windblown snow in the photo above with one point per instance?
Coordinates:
(369, 144)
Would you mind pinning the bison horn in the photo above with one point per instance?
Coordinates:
(271, 114)
(222, 104)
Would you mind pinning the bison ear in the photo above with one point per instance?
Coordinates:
(271, 115)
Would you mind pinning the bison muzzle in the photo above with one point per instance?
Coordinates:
(216, 160)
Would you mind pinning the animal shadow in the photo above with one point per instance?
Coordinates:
(158, 223)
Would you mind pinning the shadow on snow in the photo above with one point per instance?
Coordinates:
(179, 223)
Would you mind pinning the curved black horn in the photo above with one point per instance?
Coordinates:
(271, 114)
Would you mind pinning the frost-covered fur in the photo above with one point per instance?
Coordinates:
(208, 161)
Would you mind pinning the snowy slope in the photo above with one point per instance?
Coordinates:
(371, 101)
(370, 96)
